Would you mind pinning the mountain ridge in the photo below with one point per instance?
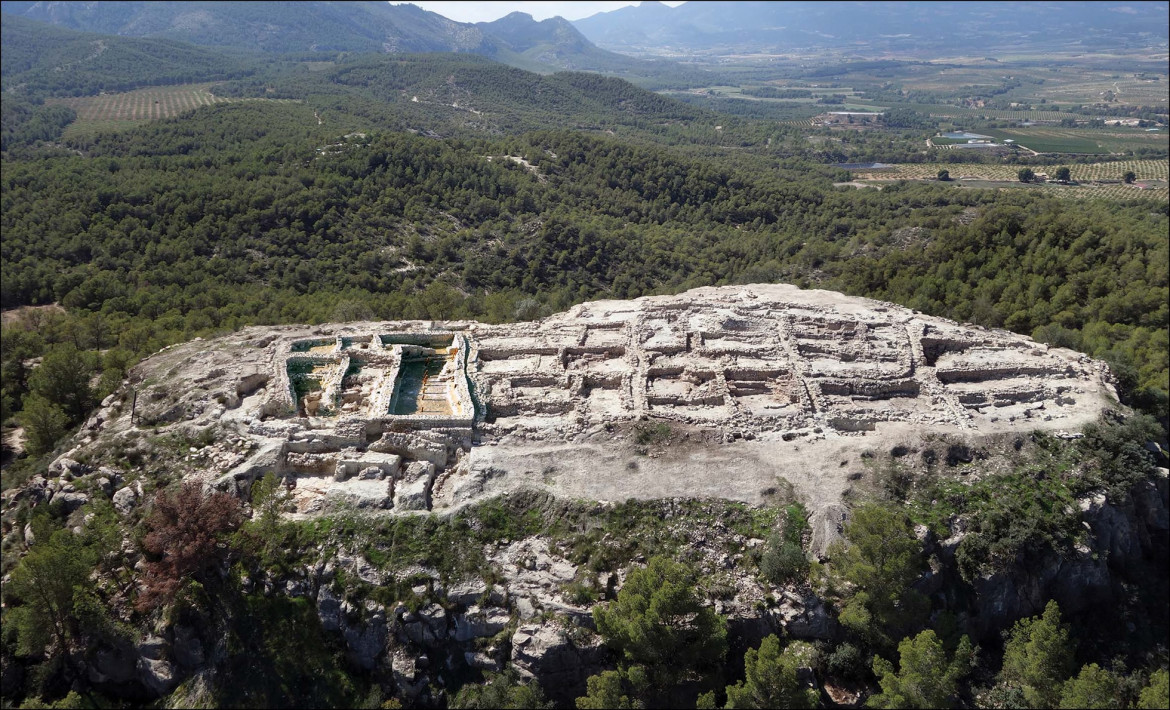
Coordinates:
(751, 26)
(43, 59)
(368, 26)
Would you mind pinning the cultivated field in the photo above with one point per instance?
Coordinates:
(1039, 78)
(1144, 169)
(1125, 88)
(1043, 139)
(949, 78)
(142, 104)
(1151, 177)
(944, 111)
(131, 108)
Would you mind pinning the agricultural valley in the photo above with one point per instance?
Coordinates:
(722, 354)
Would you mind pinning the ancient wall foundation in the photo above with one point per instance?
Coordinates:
(761, 363)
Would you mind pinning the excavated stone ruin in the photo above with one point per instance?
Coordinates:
(717, 392)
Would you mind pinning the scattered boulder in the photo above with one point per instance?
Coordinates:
(361, 568)
(64, 465)
(155, 670)
(125, 499)
(296, 587)
(157, 675)
(329, 609)
(485, 661)
(153, 647)
(467, 593)
(37, 490)
(806, 617)
(408, 677)
(105, 485)
(115, 665)
(427, 627)
(71, 500)
(367, 641)
(413, 492)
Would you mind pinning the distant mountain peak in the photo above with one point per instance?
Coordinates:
(515, 16)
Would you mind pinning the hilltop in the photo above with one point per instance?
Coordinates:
(390, 498)
(743, 386)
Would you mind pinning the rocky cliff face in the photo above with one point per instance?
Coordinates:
(1126, 542)
(527, 612)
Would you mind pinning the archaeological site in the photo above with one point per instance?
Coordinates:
(697, 418)
(748, 384)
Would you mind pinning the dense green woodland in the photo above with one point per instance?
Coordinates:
(252, 213)
(41, 60)
(469, 95)
(23, 122)
(355, 201)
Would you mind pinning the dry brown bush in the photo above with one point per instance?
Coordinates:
(184, 539)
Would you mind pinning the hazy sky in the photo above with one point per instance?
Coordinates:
(480, 11)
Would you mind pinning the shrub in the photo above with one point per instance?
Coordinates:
(650, 434)
(1038, 657)
(62, 378)
(47, 582)
(501, 690)
(1157, 693)
(846, 661)
(184, 534)
(783, 561)
(618, 689)
(881, 562)
(1119, 450)
(1094, 687)
(44, 424)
